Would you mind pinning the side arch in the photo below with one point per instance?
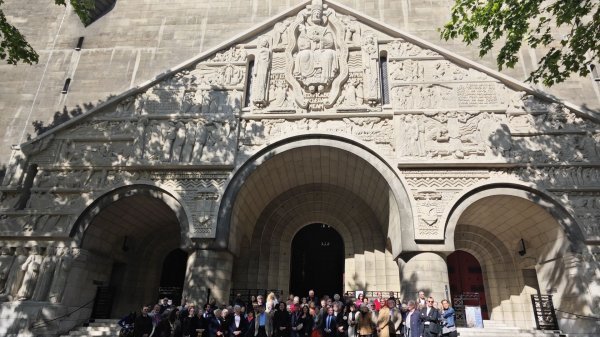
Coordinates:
(523, 191)
(84, 220)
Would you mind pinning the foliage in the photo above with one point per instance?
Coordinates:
(14, 48)
(538, 23)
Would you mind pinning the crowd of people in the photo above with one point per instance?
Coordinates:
(384, 316)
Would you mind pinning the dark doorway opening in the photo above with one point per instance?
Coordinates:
(317, 261)
(465, 277)
(173, 275)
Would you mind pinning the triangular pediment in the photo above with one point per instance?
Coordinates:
(318, 68)
(315, 61)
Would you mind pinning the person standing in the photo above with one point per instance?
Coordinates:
(421, 300)
(379, 303)
(263, 323)
(305, 322)
(239, 325)
(351, 319)
(412, 323)
(156, 317)
(341, 319)
(395, 319)
(281, 321)
(365, 323)
(448, 320)
(430, 317)
(383, 320)
(329, 324)
(143, 324)
(295, 320)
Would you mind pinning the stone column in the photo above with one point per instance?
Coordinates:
(425, 271)
(208, 269)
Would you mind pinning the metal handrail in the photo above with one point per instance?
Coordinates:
(38, 324)
(579, 315)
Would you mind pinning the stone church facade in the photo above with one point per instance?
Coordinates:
(319, 115)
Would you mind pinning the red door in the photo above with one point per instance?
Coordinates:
(464, 274)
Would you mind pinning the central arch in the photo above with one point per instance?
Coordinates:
(316, 179)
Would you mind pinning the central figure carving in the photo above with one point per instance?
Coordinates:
(316, 63)
(317, 57)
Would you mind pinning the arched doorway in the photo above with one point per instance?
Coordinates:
(524, 242)
(126, 242)
(317, 261)
(173, 275)
(465, 276)
(309, 179)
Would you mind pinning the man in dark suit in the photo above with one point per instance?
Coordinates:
(143, 324)
(239, 324)
(412, 321)
(430, 318)
(329, 324)
(342, 322)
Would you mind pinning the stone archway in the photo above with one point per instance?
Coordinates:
(301, 181)
(127, 234)
(512, 232)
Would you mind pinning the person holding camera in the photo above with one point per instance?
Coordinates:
(448, 320)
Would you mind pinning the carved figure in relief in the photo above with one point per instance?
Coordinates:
(126, 107)
(234, 101)
(407, 70)
(6, 262)
(190, 138)
(190, 103)
(47, 268)
(281, 38)
(350, 96)
(169, 133)
(232, 75)
(15, 275)
(495, 136)
(178, 142)
(15, 171)
(9, 200)
(140, 140)
(59, 278)
(410, 133)
(280, 94)
(445, 70)
(262, 64)
(31, 267)
(370, 54)
(316, 62)
(202, 139)
(351, 29)
(233, 54)
(401, 49)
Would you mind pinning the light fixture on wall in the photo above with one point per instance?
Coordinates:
(125, 246)
(522, 249)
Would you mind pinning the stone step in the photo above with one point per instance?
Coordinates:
(504, 332)
(105, 320)
(100, 324)
(93, 333)
(97, 328)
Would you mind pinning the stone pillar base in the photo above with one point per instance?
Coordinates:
(427, 272)
(208, 271)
